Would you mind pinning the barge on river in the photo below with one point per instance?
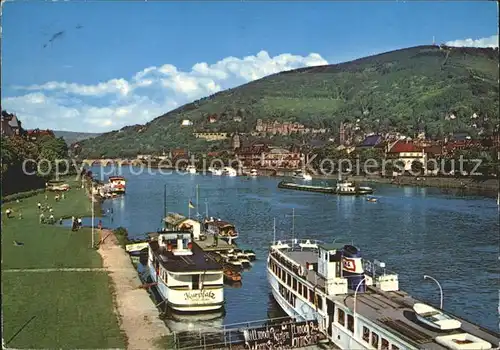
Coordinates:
(342, 188)
(357, 303)
(186, 278)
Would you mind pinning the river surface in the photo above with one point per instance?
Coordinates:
(415, 231)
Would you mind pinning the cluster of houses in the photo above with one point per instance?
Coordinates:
(11, 126)
(262, 154)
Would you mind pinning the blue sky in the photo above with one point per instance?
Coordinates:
(84, 80)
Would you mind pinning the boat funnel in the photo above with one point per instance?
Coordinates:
(352, 268)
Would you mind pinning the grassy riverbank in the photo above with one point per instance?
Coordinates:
(67, 309)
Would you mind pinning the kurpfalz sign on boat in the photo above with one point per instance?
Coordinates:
(284, 336)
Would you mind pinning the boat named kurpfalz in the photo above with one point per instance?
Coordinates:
(358, 304)
(188, 279)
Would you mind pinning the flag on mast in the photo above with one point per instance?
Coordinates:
(191, 206)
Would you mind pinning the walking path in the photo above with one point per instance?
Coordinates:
(137, 312)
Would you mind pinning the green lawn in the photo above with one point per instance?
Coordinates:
(71, 309)
(47, 246)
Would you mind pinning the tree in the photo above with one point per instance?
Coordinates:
(417, 167)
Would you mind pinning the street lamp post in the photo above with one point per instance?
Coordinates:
(440, 289)
(355, 294)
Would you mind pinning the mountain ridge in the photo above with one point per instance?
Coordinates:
(407, 89)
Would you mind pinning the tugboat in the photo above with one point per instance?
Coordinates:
(300, 175)
(186, 278)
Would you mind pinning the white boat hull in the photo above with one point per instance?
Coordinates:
(178, 300)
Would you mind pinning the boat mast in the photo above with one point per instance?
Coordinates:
(164, 202)
(293, 223)
(274, 231)
(206, 208)
(197, 199)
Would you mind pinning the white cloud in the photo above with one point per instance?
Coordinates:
(491, 41)
(147, 94)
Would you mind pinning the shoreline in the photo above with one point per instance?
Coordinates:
(137, 314)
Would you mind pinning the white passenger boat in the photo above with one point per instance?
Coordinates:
(187, 278)
(435, 318)
(300, 175)
(217, 172)
(253, 173)
(357, 304)
(191, 169)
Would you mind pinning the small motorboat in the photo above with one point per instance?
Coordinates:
(245, 262)
(253, 173)
(233, 260)
(435, 318)
(191, 169)
(250, 254)
(231, 276)
(371, 199)
(364, 190)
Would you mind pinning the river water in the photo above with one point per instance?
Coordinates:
(415, 231)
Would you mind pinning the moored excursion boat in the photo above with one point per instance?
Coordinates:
(253, 173)
(222, 229)
(186, 278)
(357, 303)
(117, 185)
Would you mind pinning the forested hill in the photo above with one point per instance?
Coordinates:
(403, 90)
(74, 136)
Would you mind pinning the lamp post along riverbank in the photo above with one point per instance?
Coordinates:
(440, 289)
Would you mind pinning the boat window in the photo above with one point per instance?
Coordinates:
(394, 347)
(366, 334)
(320, 302)
(311, 296)
(299, 289)
(289, 280)
(330, 307)
(294, 284)
(385, 344)
(375, 340)
(341, 317)
(304, 292)
(195, 279)
(350, 323)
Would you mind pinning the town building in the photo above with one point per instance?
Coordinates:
(35, 134)
(212, 136)
(11, 125)
(186, 122)
(261, 155)
(407, 152)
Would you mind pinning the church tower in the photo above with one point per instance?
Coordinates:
(236, 142)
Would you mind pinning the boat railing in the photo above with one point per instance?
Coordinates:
(296, 244)
(376, 269)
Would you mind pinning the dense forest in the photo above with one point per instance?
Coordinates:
(407, 90)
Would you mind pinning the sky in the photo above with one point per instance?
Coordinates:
(99, 66)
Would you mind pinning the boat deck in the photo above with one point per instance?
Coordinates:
(392, 310)
(207, 245)
(198, 261)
